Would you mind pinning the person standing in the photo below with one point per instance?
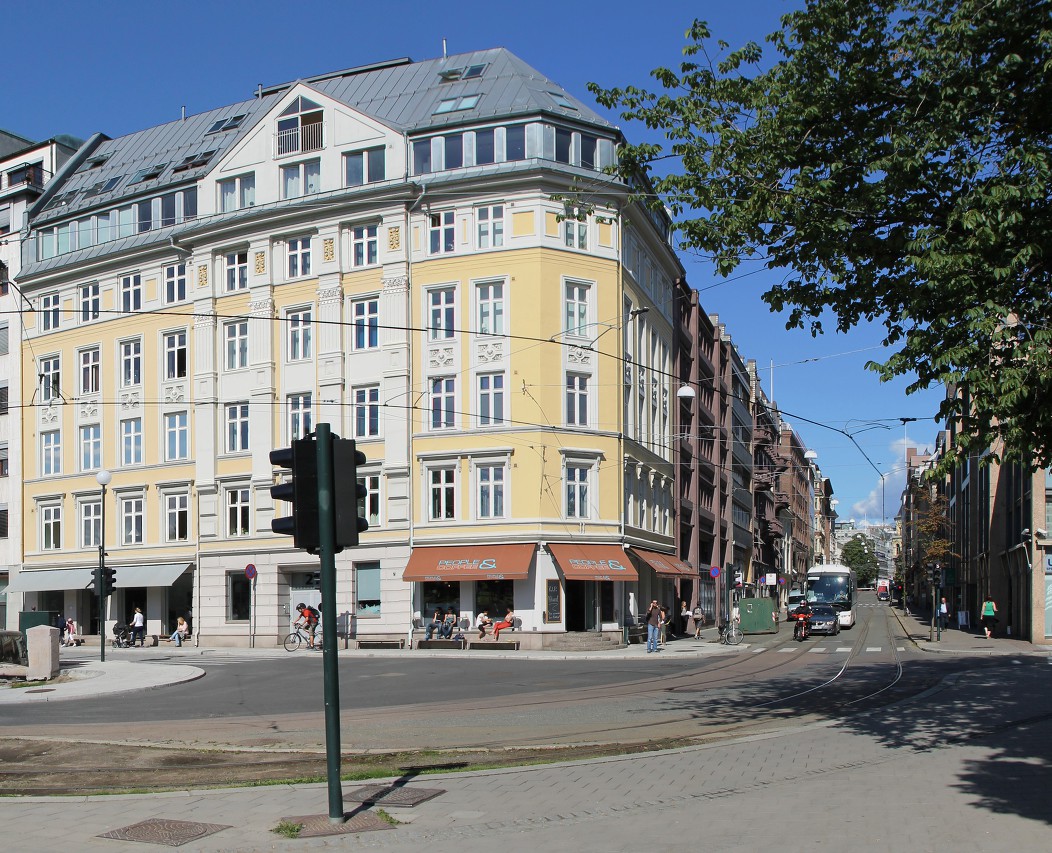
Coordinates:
(653, 620)
(699, 619)
(138, 626)
(944, 615)
(664, 625)
(988, 612)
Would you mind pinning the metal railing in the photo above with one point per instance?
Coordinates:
(298, 140)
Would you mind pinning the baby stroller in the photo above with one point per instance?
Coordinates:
(121, 637)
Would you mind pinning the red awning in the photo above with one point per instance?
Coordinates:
(665, 564)
(593, 563)
(470, 563)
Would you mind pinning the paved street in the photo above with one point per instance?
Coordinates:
(970, 757)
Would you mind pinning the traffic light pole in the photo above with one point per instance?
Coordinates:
(327, 556)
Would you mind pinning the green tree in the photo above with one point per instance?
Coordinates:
(858, 554)
(894, 158)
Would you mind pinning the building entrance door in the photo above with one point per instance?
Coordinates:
(582, 605)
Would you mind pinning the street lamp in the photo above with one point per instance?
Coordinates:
(103, 478)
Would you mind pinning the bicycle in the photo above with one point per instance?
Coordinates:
(300, 637)
(731, 633)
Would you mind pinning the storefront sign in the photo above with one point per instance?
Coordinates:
(1048, 564)
(553, 601)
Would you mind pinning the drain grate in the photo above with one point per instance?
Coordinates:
(159, 830)
(392, 795)
(318, 825)
(42, 690)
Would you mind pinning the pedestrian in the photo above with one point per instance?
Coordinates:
(664, 624)
(60, 624)
(699, 620)
(944, 615)
(684, 618)
(71, 632)
(653, 620)
(988, 612)
(138, 626)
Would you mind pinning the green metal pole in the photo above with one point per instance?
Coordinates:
(98, 579)
(327, 543)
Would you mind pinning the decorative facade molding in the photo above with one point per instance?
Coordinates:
(261, 263)
(396, 284)
(394, 238)
(202, 275)
(579, 355)
(131, 400)
(490, 351)
(328, 250)
(262, 307)
(175, 393)
(440, 357)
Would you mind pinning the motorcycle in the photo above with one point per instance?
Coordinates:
(802, 628)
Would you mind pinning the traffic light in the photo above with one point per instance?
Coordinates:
(301, 490)
(934, 574)
(348, 492)
(105, 581)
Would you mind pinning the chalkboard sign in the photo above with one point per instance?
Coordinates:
(554, 599)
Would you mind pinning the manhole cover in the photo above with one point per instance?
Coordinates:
(393, 795)
(317, 825)
(159, 830)
(42, 690)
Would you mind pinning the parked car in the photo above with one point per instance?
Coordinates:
(793, 600)
(824, 620)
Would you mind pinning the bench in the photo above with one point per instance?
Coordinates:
(381, 644)
(495, 645)
(441, 644)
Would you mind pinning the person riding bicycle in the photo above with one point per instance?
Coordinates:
(309, 617)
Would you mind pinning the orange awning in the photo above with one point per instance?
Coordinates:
(594, 563)
(665, 564)
(470, 563)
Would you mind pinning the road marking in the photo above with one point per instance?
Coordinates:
(873, 649)
(818, 649)
(784, 651)
(843, 648)
(901, 648)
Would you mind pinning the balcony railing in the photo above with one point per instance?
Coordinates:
(299, 140)
(29, 176)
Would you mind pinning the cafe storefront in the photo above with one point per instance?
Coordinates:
(596, 579)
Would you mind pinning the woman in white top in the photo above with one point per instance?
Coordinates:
(138, 626)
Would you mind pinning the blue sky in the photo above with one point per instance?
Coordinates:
(121, 66)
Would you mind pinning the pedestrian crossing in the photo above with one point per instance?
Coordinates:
(821, 650)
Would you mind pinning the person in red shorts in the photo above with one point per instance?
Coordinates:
(507, 622)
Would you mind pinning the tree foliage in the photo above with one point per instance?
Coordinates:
(894, 159)
(858, 554)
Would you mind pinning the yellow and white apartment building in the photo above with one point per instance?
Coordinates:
(387, 249)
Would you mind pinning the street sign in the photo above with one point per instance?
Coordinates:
(781, 580)
(1048, 564)
(250, 571)
(714, 572)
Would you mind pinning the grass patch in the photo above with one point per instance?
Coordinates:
(20, 684)
(388, 818)
(288, 828)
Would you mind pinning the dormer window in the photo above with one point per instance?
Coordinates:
(300, 127)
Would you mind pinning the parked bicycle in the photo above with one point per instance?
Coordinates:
(300, 638)
(731, 633)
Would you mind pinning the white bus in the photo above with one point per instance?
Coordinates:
(835, 585)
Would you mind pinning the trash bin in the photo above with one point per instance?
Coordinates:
(757, 616)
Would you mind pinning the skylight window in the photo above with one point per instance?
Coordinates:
(192, 161)
(103, 186)
(226, 124)
(452, 105)
(561, 101)
(464, 73)
(218, 126)
(148, 174)
(95, 162)
(473, 71)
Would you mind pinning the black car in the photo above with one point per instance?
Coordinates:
(824, 620)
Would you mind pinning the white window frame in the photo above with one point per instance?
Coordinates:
(90, 447)
(368, 168)
(176, 436)
(237, 427)
(575, 234)
(240, 190)
(442, 313)
(174, 344)
(131, 441)
(90, 526)
(50, 452)
(301, 174)
(442, 493)
(235, 344)
(131, 363)
(132, 509)
(491, 490)
(366, 411)
(300, 415)
(131, 293)
(365, 246)
(489, 226)
(300, 329)
(50, 312)
(373, 504)
(90, 301)
(442, 232)
(297, 256)
(366, 316)
(577, 399)
(576, 307)
(176, 516)
(50, 374)
(238, 510)
(174, 284)
(50, 526)
(235, 265)
(490, 399)
(443, 399)
(489, 307)
(90, 360)
(576, 493)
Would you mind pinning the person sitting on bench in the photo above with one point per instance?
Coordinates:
(434, 625)
(482, 622)
(449, 624)
(507, 622)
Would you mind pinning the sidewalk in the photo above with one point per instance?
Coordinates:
(741, 794)
(953, 640)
